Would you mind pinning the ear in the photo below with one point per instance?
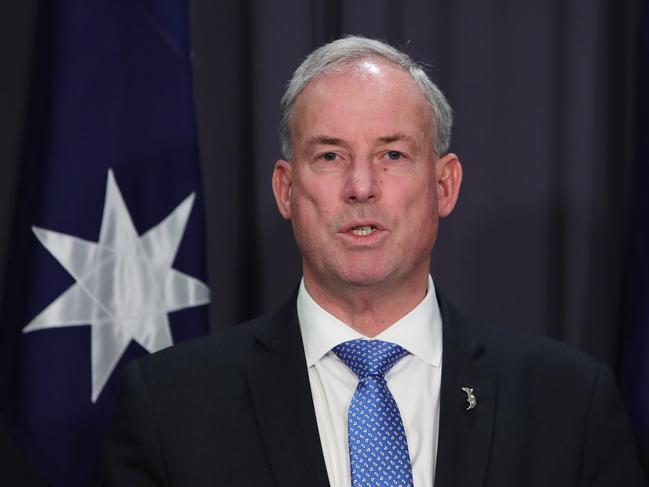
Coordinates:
(448, 172)
(283, 186)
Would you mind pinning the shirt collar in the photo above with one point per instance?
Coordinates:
(419, 331)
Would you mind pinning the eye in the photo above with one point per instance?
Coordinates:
(394, 155)
(329, 156)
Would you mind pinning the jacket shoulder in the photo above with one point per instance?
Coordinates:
(516, 352)
(220, 354)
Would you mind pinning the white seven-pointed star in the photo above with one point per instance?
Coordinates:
(125, 285)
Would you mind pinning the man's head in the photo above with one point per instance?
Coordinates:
(364, 184)
(340, 54)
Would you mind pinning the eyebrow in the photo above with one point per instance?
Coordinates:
(327, 140)
(324, 140)
(388, 139)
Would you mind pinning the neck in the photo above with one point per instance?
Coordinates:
(368, 309)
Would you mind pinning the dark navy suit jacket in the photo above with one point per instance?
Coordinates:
(235, 409)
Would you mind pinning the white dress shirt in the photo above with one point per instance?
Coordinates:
(414, 382)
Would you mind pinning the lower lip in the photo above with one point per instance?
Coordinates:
(361, 241)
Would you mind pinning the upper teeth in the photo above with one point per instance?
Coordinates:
(363, 230)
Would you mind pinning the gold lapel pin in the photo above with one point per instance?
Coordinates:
(470, 398)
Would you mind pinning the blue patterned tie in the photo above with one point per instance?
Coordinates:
(378, 449)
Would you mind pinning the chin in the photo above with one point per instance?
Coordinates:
(363, 277)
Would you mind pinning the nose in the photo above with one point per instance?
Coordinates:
(362, 182)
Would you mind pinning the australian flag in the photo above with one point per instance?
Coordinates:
(108, 255)
(635, 351)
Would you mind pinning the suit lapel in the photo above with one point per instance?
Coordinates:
(464, 436)
(283, 404)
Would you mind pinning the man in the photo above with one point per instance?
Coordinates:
(367, 376)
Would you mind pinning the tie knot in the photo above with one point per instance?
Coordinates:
(369, 357)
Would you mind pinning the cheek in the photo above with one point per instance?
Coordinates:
(413, 194)
(318, 198)
(420, 208)
(310, 215)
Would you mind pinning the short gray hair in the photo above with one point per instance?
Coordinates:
(338, 55)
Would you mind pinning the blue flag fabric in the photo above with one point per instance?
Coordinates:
(108, 254)
(635, 349)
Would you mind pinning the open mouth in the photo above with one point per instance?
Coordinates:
(363, 230)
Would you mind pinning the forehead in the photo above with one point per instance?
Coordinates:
(370, 96)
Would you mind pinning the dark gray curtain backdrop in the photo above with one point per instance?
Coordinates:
(543, 93)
